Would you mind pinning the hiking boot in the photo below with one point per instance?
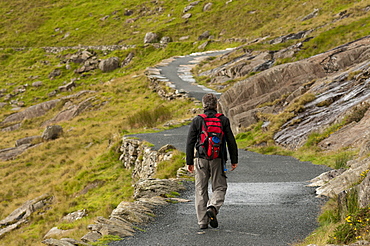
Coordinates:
(205, 226)
(211, 213)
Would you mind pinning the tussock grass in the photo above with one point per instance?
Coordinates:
(168, 169)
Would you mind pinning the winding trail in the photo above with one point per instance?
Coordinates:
(267, 202)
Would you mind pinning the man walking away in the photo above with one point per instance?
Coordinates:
(210, 165)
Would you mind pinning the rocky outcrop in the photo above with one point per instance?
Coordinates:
(20, 215)
(347, 184)
(355, 134)
(12, 121)
(342, 181)
(141, 158)
(31, 112)
(336, 98)
(23, 144)
(11, 153)
(52, 132)
(151, 37)
(109, 64)
(38, 109)
(148, 194)
(329, 76)
(71, 110)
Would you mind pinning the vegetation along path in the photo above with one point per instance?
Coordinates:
(267, 202)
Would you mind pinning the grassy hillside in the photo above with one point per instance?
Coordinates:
(46, 22)
(86, 154)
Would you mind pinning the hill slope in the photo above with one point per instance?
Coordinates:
(31, 75)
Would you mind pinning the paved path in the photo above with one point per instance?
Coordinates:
(267, 202)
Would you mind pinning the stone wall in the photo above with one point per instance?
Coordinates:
(141, 158)
(149, 193)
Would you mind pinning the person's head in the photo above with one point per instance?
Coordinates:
(209, 101)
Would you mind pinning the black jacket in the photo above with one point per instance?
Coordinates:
(194, 133)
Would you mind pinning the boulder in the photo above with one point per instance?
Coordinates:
(71, 217)
(165, 40)
(132, 213)
(75, 242)
(285, 38)
(114, 227)
(32, 112)
(207, 7)
(28, 140)
(187, 8)
(190, 6)
(56, 232)
(52, 132)
(56, 242)
(109, 64)
(11, 128)
(55, 73)
(11, 153)
(204, 35)
(37, 84)
(68, 87)
(184, 38)
(92, 236)
(128, 59)
(186, 16)
(151, 37)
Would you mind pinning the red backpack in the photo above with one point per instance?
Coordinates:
(211, 137)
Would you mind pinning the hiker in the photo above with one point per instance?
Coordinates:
(207, 167)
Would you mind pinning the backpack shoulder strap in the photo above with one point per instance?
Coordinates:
(203, 116)
(218, 115)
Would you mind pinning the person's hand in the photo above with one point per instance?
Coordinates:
(233, 166)
(191, 168)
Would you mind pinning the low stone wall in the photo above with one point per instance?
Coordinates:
(149, 192)
(143, 159)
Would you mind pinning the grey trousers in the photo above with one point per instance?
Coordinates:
(206, 170)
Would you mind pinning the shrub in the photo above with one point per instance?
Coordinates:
(357, 113)
(342, 159)
(150, 117)
(355, 227)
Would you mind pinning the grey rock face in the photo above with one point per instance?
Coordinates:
(52, 132)
(151, 37)
(109, 64)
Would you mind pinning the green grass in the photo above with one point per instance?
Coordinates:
(168, 169)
